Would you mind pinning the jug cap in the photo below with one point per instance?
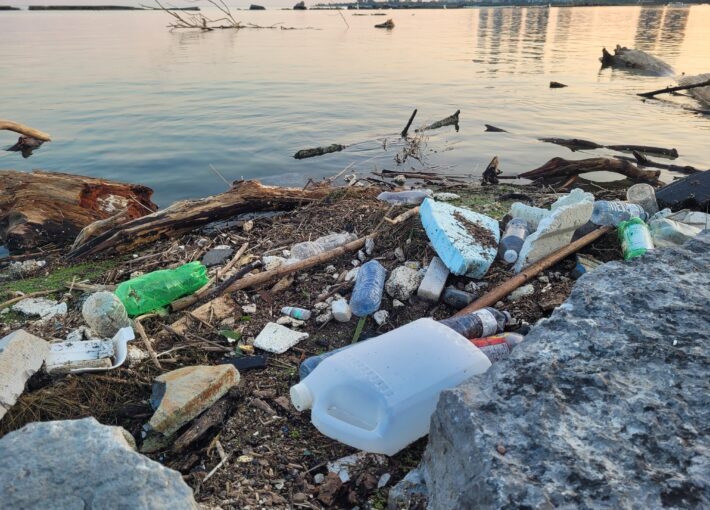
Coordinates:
(510, 256)
(301, 397)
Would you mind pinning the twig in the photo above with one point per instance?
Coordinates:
(409, 123)
(229, 185)
(668, 90)
(146, 341)
(25, 296)
(341, 15)
(403, 217)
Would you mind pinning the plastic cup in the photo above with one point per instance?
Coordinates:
(643, 195)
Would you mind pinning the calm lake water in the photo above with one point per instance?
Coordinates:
(127, 99)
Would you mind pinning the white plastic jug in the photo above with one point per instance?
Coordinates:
(379, 395)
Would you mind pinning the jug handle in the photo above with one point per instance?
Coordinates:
(332, 427)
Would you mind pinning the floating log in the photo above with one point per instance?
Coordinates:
(557, 85)
(657, 151)
(559, 168)
(635, 60)
(494, 129)
(41, 207)
(644, 161)
(318, 151)
(451, 120)
(389, 24)
(573, 144)
(186, 215)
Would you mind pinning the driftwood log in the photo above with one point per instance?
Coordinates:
(186, 215)
(38, 208)
(451, 120)
(318, 151)
(642, 160)
(670, 90)
(491, 173)
(576, 144)
(559, 168)
(24, 130)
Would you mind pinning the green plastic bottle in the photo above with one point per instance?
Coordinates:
(635, 238)
(159, 288)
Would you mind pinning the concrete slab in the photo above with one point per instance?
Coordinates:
(21, 355)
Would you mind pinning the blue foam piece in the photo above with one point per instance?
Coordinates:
(460, 251)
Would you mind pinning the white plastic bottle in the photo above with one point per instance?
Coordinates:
(379, 395)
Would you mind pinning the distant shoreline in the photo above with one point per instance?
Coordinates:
(465, 4)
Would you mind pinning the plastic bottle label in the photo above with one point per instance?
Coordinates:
(636, 237)
(489, 324)
(496, 352)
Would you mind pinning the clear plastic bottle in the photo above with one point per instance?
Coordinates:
(481, 323)
(296, 313)
(307, 249)
(367, 294)
(513, 238)
(379, 395)
(159, 288)
(635, 238)
(612, 213)
(498, 347)
(411, 197)
(105, 314)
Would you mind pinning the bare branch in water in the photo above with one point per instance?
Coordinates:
(199, 21)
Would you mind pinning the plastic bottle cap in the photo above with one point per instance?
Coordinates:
(510, 256)
(301, 397)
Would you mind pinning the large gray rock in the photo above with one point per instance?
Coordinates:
(605, 405)
(78, 464)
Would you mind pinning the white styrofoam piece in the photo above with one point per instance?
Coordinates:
(278, 339)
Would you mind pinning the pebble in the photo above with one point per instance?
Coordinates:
(289, 321)
(341, 310)
(396, 303)
(330, 269)
(544, 279)
(399, 254)
(383, 480)
(381, 317)
(324, 319)
(318, 478)
(249, 309)
(320, 306)
(521, 292)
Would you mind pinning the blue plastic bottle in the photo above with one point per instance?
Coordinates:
(367, 294)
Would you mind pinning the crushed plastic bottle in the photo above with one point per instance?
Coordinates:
(498, 347)
(105, 314)
(635, 238)
(516, 231)
(367, 293)
(304, 250)
(159, 288)
(481, 323)
(296, 313)
(612, 213)
(379, 395)
(411, 197)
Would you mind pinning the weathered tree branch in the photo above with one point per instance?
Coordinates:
(558, 168)
(24, 130)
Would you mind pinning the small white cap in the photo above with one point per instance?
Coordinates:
(301, 397)
(510, 256)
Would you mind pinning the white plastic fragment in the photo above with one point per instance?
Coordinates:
(434, 280)
(341, 310)
(44, 308)
(89, 355)
(278, 339)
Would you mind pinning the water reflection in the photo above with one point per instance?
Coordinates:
(661, 30)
